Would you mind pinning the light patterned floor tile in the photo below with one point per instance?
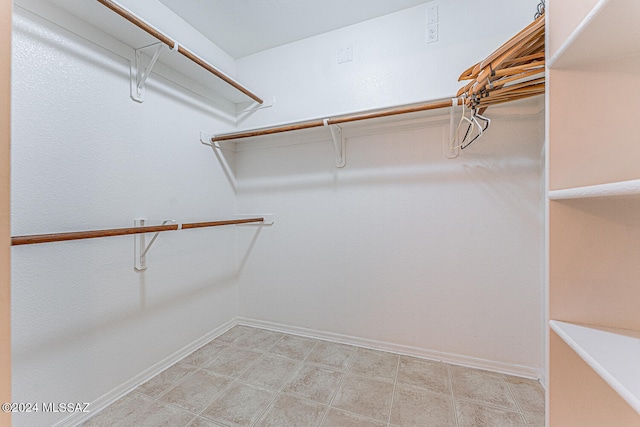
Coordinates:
(482, 386)
(472, 414)
(159, 414)
(374, 364)
(315, 383)
(271, 371)
(196, 390)
(427, 374)
(414, 406)
(123, 412)
(232, 361)
(165, 380)
(365, 396)
(201, 422)
(258, 340)
(234, 333)
(535, 420)
(338, 418)
(204, 354)
(292, 411)
(333, 355)
(529, 394)
(293, 347)
(239, 406)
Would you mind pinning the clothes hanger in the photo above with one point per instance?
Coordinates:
(456, 133)
(477, 115)
(516, 70)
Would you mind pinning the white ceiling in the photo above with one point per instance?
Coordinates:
(244, 27)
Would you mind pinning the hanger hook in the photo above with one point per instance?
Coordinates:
(541, 8)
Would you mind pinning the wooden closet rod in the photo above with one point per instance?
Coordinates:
(181, 49)
(80, 235)
(335, 121)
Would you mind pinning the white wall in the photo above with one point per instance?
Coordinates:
(402, 247)
(85, 156)
(392, 63)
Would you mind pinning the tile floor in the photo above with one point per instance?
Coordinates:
(255, 377)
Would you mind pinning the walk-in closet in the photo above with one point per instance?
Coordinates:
(321, 213)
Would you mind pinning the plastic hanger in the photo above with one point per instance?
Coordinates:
(464, 118)
(476, 115)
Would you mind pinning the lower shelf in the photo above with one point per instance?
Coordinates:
(614, 354)
(622, 188)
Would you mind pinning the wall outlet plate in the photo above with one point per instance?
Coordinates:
(433, 33)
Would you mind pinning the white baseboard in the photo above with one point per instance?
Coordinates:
(115, 394)
(456, 359)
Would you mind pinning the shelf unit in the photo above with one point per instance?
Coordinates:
(612, 353)
(612, 189)
(594, 213)
(196, 67)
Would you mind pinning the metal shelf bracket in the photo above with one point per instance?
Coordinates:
(338, 143)
(139, 73)
(140, 248)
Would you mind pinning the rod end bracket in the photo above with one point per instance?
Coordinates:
(339, 143)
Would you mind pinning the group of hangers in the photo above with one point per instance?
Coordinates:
(474, 128)
(514, 71)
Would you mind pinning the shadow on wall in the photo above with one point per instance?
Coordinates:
(124, 315)
(305, 159)
(508, 192)
(41, 33)
(54, 343)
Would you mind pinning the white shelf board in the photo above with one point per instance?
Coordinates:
(609, 31)
(614, 354)
(622, 188)
(109, 22)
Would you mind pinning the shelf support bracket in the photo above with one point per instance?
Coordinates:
(139, 73)
(205, 139)
(451, 147)
(338, 143)
(255, 106)
(140, 247)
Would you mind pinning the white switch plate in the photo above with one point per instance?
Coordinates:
(345, 54)
(432, 14)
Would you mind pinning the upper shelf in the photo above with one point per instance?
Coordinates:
(609, 31)
(612, 353)
(623, 188)
(135, 32)
(174, 45)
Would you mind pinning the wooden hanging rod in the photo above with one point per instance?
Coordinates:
(80, 235)
(512, 72)
(366, 115)
(181, 49)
